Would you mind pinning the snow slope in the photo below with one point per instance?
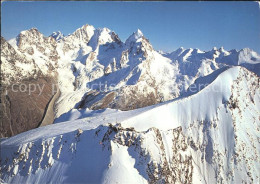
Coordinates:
(210, 135)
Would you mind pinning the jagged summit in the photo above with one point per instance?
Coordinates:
(57, 35)
(135, 37)
(84, 33)
(138, 34)
(33, 29)
(221, 49)
(30, 33)
(85, 27)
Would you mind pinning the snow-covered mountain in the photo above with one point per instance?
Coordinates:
(110, 73)
(209, 135)
(126, 113)
(97, 70)
(26, 88)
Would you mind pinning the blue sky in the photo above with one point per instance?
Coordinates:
(168, 25)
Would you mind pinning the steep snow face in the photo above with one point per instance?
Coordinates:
(201, 137)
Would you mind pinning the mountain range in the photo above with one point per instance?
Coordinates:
(124, 112)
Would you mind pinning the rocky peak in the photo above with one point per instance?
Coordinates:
(214, 49)
(84, 33)
(247, 55)
(103, 36)
(223, 52)
(78, 39)
(28, 36)
(16, 65)
(137, 44)
(138, 34)
(32, 41)
(197, 51)
(57, 35)
(10, 55)
(115, 37)
(30, 32)
(135, 37)
(221, 49)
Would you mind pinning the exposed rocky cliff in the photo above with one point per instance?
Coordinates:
(25, 88)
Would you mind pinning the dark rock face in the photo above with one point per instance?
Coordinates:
(25, 94)
(22, 110)
(128, 98)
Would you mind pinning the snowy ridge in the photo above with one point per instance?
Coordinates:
(202, 138)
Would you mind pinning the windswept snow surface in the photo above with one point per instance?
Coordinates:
(208, 135)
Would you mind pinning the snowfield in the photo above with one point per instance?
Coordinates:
(208, 135)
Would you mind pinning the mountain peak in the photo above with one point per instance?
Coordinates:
(31, 34)
(105, 29)
(57, 35)
(86, 26)
(32, 30)
(138, 34)
(214, 49)
(84, 33)
(135, 37)
(56, 32)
